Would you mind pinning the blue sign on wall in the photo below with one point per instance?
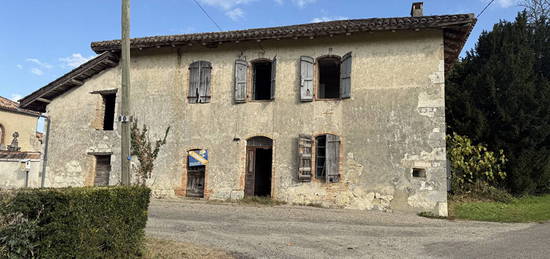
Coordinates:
(198, 157)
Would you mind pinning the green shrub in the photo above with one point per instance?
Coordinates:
(475, 169)
(89, 222)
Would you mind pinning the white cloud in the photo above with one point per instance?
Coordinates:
(16, 97)
(38, 62)
(303, 3)
(506, 3)
(235, 14)
(74, 60)
(37, 71)
(328, 18)
(19, 66)
(225, 4)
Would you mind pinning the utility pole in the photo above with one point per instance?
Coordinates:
(125, 97)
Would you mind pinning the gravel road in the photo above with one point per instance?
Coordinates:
(307, 232)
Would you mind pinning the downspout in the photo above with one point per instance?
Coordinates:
(45, 156)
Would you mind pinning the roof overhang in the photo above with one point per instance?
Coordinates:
(38, 100)
(456, 29)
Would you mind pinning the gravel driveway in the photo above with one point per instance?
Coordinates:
(307, 232)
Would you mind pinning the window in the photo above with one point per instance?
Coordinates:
(199, 82)
(263, 86)
(333, 80)
(109, 101)
(419, 172)
(102, 170)
(329, 77)
(327, 156)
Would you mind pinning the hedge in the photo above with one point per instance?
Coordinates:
(87, 222)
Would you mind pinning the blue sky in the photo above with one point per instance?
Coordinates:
(41, 40)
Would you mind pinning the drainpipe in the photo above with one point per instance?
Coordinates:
(45, 156)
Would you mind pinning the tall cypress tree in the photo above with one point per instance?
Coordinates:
(499, 94)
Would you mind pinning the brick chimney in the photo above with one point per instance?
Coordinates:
(417, 9)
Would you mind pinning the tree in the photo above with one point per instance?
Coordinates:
(536, 9)
(499, 94)
(143, 149)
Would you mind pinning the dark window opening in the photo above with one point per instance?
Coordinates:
(102, 170)
(109, 101)
(320, 156)
(329, 77)
(419, 172)
(262, 80)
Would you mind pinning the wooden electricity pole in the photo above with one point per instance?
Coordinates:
(125, 95)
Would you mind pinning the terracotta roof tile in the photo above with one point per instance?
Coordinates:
(11, 106)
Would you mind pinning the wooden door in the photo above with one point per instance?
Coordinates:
(250, 171)
(102, 170)
(195, 181)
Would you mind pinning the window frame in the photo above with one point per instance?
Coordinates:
(252, 79)
(317, 77)
(207, 85)
(314, 158)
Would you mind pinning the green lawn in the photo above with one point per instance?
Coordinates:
(527, 209)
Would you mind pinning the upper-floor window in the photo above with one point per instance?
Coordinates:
(333, 77)
(199, 82)
(263, 84)
(109, 101)
(262, 80)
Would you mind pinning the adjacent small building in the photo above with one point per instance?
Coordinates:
(344, 113)
(20, 146)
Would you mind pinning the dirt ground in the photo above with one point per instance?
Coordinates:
(307, 232)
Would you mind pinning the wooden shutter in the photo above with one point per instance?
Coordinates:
(332, 158)
(204, 86)
(306, 79)
(345, 76)
(241, 68)
(194, 82)
(304, 153)
(273, 77)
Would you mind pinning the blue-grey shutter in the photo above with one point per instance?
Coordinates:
(306, 79)
(332, 158)
(205, 77)
(194, 82)
(345, 76)
(304, 153)
(241, 69)
(273, 77)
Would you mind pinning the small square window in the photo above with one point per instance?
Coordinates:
(419, 172)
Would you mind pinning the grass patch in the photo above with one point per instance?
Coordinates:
(158, 248)
(525, 209)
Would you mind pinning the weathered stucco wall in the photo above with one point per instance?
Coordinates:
(25, 125)
(394, 121)
(13, 173)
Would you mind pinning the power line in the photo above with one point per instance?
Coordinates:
(480, 13)
(204, 11)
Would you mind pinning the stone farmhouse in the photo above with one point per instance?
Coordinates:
(346, 113)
